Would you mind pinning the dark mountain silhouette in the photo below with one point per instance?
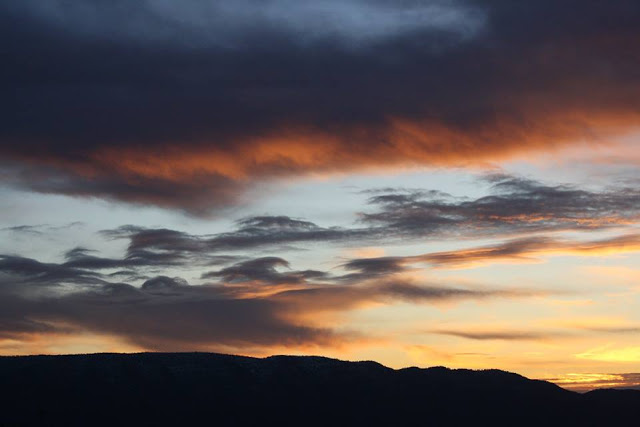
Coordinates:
(214, 389)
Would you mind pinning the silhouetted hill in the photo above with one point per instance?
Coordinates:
(214, 389)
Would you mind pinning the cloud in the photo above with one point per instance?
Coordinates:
(263, 270)
(583, 382)
(369, 268)
(192, 107)
(163, 313)
(26, 229)
(515, 205)
(225, 24)
(79, 259)
(613, 329)
(250, 233)
(243, 299)
(527, 249)
(199, 195)
(498, 335)
(27, 270)
(39, 229)
(386, 291)
(164, 285)
(254, 303)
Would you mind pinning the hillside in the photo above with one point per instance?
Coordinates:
(188, 388)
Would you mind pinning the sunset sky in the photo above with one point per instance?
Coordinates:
(433, 182)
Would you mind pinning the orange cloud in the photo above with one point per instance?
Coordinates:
(527, 249)
(199, 177)
(582, 382)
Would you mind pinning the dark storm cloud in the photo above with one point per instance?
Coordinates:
(188, 106)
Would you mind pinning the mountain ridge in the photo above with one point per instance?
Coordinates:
(186, 388)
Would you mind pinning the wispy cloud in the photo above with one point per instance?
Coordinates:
(515, 205)
(501, 335)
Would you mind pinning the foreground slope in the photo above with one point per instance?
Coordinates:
(214, 389)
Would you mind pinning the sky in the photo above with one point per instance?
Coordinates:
(419, 183)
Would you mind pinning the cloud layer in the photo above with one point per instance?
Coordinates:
(514, 207)
(249, 304)
(190, 107)
(245, 293)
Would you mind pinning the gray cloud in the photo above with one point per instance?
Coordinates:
(517, 205)
(27, 229)
(389, 290)
(27, 270)
(370, 268)
(167, 313)
(264, 270)
(613, 329)
(250, 233)
(40, 229)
